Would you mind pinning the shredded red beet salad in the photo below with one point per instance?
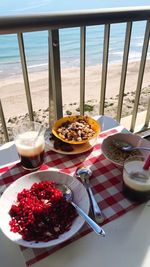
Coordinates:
(41, 213)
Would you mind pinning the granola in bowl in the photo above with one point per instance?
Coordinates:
(118, 156)
(76, 129)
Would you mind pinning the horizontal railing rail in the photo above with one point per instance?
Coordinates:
(26, 23)
(52, 23)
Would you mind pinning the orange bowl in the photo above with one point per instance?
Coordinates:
(93, 123)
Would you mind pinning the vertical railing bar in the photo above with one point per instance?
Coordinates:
(82, 68)
(2, 117)
(52, 116)
(25, 75)
(104, 68)
(140, 76)
(55, 90)
(124, 69)
(147, 119)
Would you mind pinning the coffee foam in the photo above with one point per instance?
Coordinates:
(132, 168)
(27, 147)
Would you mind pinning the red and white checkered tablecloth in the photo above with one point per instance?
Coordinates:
(106, 183)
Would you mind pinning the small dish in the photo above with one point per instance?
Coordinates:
(76, 149)
(116, 155)
(9, 196)
(95, 126)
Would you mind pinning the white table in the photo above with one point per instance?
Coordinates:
(127, 241)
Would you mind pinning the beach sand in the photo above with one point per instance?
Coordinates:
(12, 92)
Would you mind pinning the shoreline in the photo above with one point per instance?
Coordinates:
(12, 92)
(42, 67)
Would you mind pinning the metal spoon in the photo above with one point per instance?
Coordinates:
(67, 193)
(127, 147)
(84, 174)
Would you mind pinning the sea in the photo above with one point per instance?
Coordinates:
(36, 43)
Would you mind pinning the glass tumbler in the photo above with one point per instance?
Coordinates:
(136, 180)
(30, 144)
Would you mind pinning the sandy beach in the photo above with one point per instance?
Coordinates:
(12, 92)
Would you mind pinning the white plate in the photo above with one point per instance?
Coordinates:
(9, 196)
(133, 139)
(77, 149)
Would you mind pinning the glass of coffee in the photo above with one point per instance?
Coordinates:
(30, 144)
(136, 180)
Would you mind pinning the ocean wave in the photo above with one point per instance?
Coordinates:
(140, 44)
(138, 37)
(134, 55)
(118, 53)
(30, 6)
(37, 65)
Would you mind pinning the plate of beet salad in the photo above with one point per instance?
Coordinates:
(34, 212)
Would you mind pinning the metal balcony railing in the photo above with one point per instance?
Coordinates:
(53, 23)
